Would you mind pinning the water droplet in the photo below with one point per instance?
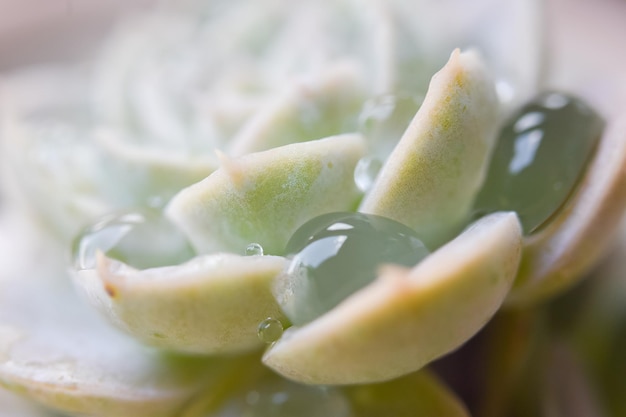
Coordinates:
(254, 249)
(273, 396)
(142, 239)
(156, 202)
(539, 158)
(555, 101)
(270, 330)
(335, 255)
(366, 171)
(383, 120)
(252, 397)
(280, 398)
(505, 91)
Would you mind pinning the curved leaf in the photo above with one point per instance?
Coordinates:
(407, 318)
(211, 304)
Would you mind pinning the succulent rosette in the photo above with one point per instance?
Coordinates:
(284, 208)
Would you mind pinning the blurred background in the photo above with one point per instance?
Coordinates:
(33, 31)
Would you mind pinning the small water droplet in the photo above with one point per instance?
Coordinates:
(252, 397)
(254, 249)
(366, 171)
(270, 330)
(280, 398)
(383, 120)
(505, 91)
(156, 202)
(377, 109)
(273, 396)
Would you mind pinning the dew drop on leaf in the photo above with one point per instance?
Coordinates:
(366, 171)
(273, 396)
(335, 255)
(540, 156)
(384, 118)
(254, 249)
(270, 330)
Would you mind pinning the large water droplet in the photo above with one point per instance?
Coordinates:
(539, 158)
(337, 254)
(143, 239)
(383, 120)
(270, 330)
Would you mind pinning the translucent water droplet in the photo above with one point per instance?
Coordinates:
(273, 396)
(156, 202)
(505, 91)
(540, 156)
(335, 255)
(383, 120)
(366, 171)
(270, 330)
(143, 239)
(253, 397)
(254, 249)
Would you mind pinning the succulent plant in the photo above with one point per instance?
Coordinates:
(273, 210)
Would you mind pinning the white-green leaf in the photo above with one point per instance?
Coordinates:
(407, 318)
(308, 110)
(211, 304)
(417, 394)
(59, 352)
(433, 174)
(140, 174)
(264, 197)
(11, 405)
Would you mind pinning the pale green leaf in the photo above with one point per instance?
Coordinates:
(264, 197)
(211, 304)
(433, 174)
(408, 317)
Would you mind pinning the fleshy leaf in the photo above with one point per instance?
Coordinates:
(418, 394)
(14, 406)
(264, 197)
(57, 351)
(407, 318)
(48, 162)
(211, 304)
(148, 173)
(433, 174)
(310, 109)
(273, 396)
